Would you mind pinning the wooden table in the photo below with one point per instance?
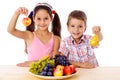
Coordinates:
(12, 72)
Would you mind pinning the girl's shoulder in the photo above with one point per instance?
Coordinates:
(56, 37)
(29, 34)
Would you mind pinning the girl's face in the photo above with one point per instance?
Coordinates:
(76, 27)
(42, 19)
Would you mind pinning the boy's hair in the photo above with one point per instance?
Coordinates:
(78, 15)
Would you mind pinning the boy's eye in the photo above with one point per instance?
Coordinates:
(72, 26)
(80, 26)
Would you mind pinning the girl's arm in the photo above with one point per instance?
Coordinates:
(12, 24)
(56, 45)
(97, 30)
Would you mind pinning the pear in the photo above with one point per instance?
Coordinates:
(94, 41)
(58, 71)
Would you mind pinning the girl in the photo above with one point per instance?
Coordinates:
(39, 42)
(76, 47)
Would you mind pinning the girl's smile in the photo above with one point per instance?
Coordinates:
(42, 19)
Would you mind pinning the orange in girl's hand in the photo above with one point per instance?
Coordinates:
(26, 21)
(94, 40)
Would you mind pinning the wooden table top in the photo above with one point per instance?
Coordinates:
(12, 72)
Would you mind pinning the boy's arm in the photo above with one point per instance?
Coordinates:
(82, 65)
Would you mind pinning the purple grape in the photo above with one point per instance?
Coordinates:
(50, 70)
(49, 65)
(49, 73)
(43, 73)
(46, 68)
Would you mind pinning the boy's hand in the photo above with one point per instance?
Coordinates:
(96, 29)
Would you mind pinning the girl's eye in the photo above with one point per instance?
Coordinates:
(38, 18)
(46, 18)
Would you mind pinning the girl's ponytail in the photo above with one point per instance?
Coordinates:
(31, 27)
(56, 24)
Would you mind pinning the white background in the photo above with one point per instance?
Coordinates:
(99, 12)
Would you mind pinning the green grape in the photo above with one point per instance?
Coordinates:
(37, 67)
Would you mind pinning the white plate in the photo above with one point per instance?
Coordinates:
(53, 77)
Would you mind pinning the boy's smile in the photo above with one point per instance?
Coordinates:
(76, 27)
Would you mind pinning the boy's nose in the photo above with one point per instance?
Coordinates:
(76, 29)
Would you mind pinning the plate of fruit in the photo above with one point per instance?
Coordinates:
(53, 68)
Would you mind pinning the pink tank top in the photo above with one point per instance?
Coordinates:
(37, 49)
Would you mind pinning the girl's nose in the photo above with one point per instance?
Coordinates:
(42, 22)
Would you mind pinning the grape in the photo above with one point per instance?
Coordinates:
(61, 60)
(43, 73)
(46, 65)
(37, 67)
(49, 65)
(49, 73)
(46, 68)
(50, 69)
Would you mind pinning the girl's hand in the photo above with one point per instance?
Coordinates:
(25, 63)
(96, 29)
(22, 10)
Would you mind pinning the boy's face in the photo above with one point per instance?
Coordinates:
(76, 27)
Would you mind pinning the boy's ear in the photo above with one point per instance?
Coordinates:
(85, 28)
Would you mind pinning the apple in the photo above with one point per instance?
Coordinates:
(73, 68)
(26, 21)
(67, 70)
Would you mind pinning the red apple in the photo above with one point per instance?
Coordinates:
(26, 21)
(67, 70)
(73, 68)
